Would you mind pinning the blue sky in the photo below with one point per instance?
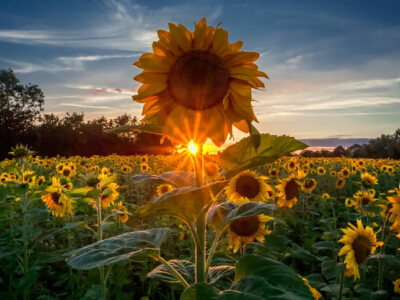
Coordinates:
(334, 66)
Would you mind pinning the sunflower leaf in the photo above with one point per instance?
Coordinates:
(247, 210)
(176, 179)
(255, 135)
(269, 279)
(150, 128)
(183, 203)
(242, 155)
(183, 267)
(122, 247)
(331, 269)
(201, 291)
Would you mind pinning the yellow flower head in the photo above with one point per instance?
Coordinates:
(197, 84)
(247, 184)
(359, 243)
(164, 188)
(368, 180)
(245, 230)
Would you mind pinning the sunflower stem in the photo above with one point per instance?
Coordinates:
(341, 286)
(212, 250)
(200, 258)
(173, 271)
(100, 238)
(381, 251)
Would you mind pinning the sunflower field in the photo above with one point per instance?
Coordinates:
(253, 222)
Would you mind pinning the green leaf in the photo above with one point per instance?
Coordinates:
(372, 209)
(183, 267)
(107, 180)
(331, 269)
(183, 203)
(219, 272)
(122, 247)
(316, 281)
(93, 194)
(255, 136)
(204, 291)
(176, 179)
(269, 279)
(247, 210)
(81, 191)
(107, 192)
(389, 260)
(28, 280)
(95, 292)
(324, 245)
(300, 253)
(242, 156)
(150, 128)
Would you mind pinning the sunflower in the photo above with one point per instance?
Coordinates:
(345, 173)
(349, 202)
(40, 181)
(144, 159)
(160, 171)
(395, 201)
(247, 184)
(144, 168)
(244, 230)
(397, 286)
(122, 218)
(340, 183)
(108, 198)
(273, 172)
(126, 169)
(164, 188)
(289, 190)
(56, 201)
(325, 196)
(211, 171)
(321, 171)
(308, 185)
(197, 84)
(333, 174)
(368, 180)
(59, 167)
(291, 165)
(362, 199)
(359, 243)
(66, 172)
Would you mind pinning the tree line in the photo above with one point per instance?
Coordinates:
(22, 121)
(385, 146)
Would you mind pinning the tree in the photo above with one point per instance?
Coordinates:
(20, 108)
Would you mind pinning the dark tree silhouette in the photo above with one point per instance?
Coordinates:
(20, 108)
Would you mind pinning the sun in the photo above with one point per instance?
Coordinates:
(192, 147)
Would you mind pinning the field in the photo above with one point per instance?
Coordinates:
(288, 245)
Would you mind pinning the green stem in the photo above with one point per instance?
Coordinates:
(24, 240)
(212, 250)
(201, 219)
(173, 271)
(381, 264)
(341, 286)
(100, 238)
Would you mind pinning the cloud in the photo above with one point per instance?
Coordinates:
(87, 106)
(115, 25)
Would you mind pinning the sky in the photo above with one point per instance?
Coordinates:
(334, 66)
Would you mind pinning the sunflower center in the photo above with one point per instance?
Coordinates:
(309, 184)
(164, 189)
(66, 172)
(291, 189)
(362, 248)
(199, 80)
(247, 186)
(365, 200)
(56, 197)
(345, 172)
(245, 226)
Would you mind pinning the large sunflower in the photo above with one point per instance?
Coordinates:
(245, 230)
(197, 84)
(289, 190)
(56, 201)
(362, 199)
(248, 185)
(359, 243)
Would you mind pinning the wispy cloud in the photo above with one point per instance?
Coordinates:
(87, 106)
